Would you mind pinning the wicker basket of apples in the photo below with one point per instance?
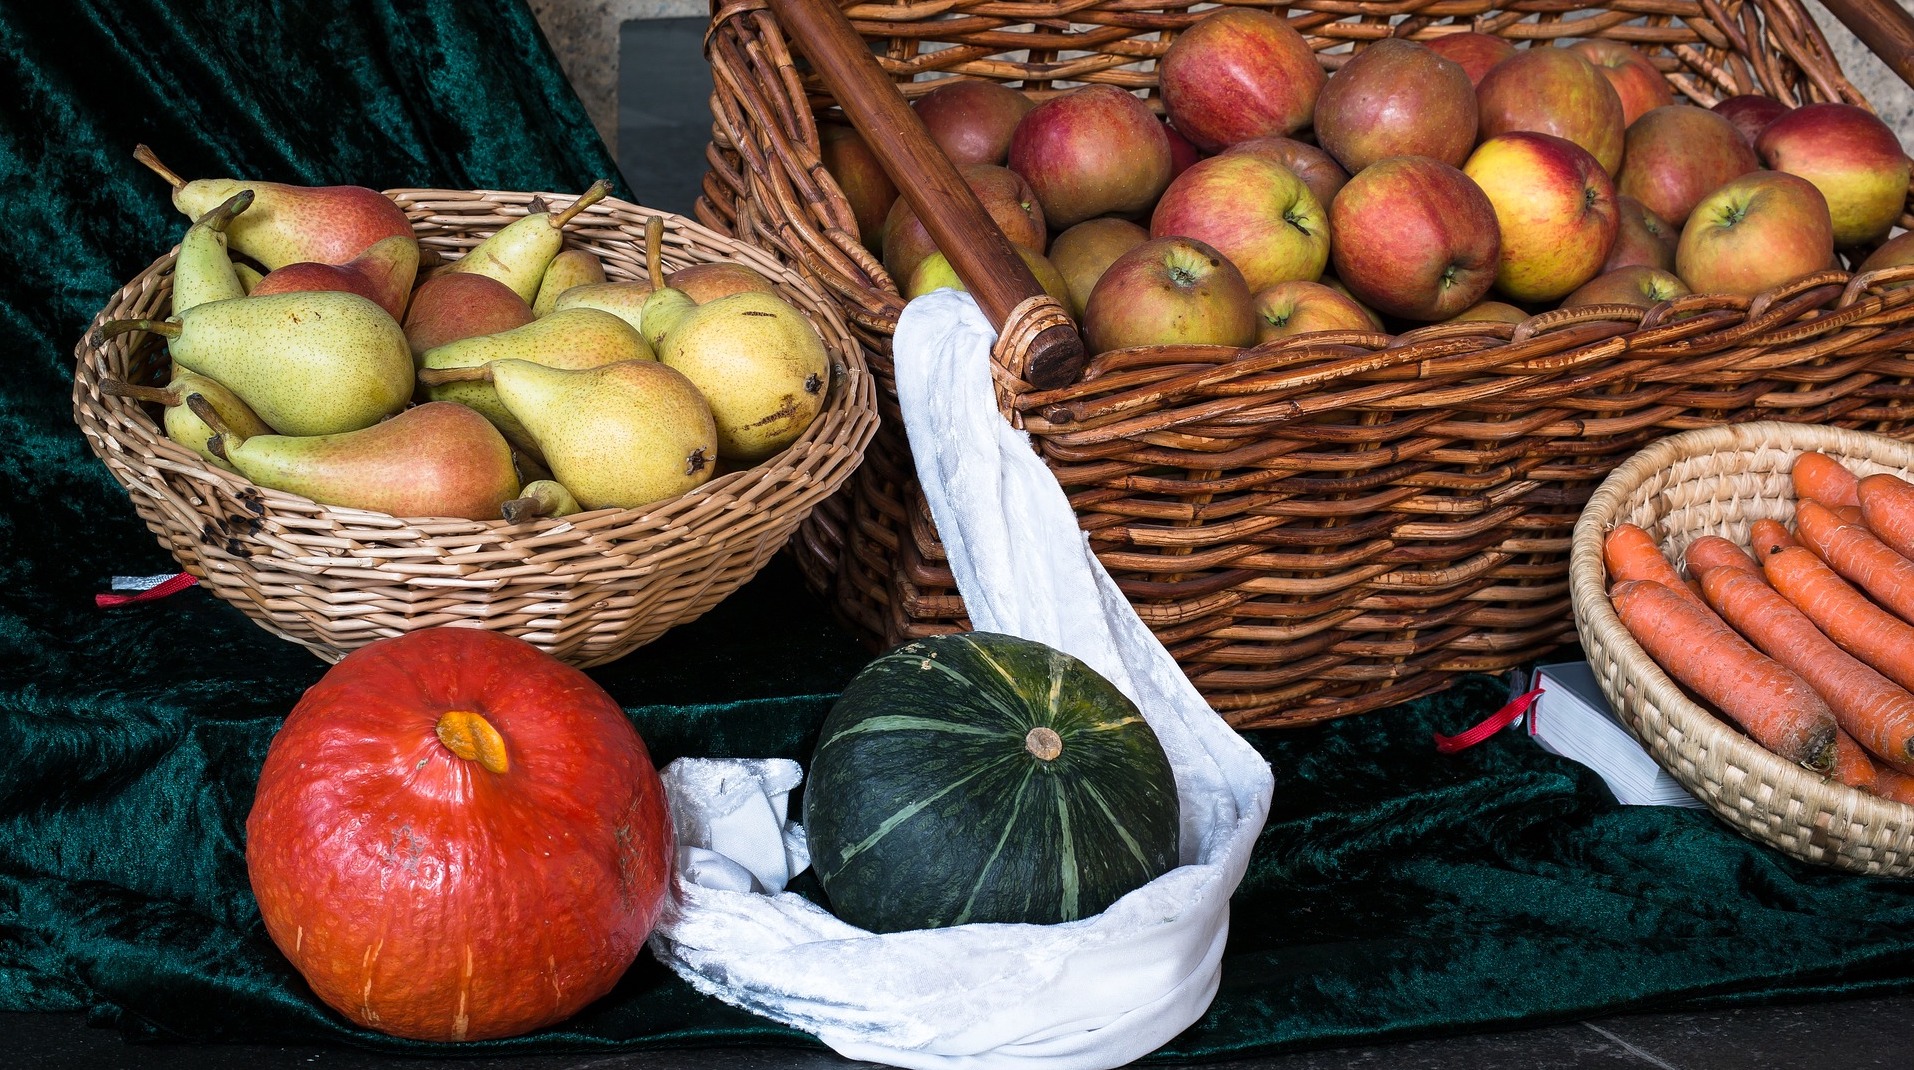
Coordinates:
(1372, 295)
(587, 422)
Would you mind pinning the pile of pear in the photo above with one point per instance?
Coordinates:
(515, 382)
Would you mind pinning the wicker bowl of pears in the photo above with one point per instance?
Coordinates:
(566, 417)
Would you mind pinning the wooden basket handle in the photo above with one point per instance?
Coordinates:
(1882, 25)
(1049, 350)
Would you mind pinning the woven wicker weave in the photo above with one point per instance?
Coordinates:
(1335, 523)
(587, 588)
(1718, 481)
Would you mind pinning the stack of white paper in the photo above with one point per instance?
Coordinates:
(1572, 719)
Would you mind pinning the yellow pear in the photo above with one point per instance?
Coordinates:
(760, 365)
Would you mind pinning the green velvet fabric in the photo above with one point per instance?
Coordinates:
(1395, 891)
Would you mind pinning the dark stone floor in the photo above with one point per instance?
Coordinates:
(663, 127)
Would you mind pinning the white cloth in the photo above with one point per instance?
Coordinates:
(1085, 995)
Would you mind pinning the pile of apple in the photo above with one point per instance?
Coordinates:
(1464, 179)
(514, 382)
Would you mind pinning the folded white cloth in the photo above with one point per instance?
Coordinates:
(1085, 995)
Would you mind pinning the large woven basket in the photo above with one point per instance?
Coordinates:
(1339, 522)
(1719, 481)
(586, 588)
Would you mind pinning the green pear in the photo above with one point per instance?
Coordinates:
(544, 497)
(182, 424)
(572, 338)
(434, 460)
(203, 271)
(664, 306)
(760, 365)
(306, 363)
(290, 224)
(249, 275)
(626, 300)
(573, 267)
(619, 436)
(518, 254)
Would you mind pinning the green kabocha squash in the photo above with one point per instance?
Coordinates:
(985, 778)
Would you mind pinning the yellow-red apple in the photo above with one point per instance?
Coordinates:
(854, 167)
(1751, 113)
(1556, 210)
(1489, 312)
(1639, 85)
(1643, 287)
(1092, 151)
(1006, 196)
(1475, 52)
(1644, 237)
(1396, 98)
(1852, 157)
(1414, 237)
(1084, 252)
(1169, 291)
(1239, 73)
(1292, 308)
(1758, 231)
(1254, 211)
(972, 119)
(1318, 170)
(1679, 154)
(1553, 91)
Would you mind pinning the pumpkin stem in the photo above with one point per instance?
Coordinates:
(1044, 743)
(473, 738)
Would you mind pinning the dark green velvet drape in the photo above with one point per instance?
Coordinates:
(1395, 892)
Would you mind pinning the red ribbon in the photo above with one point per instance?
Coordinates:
(1496, 722)
(160, 590)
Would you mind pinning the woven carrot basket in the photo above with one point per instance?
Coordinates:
(1719, 481)
(1338, 522)
(587, 588)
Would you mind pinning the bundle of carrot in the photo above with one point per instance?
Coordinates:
(1804, 638)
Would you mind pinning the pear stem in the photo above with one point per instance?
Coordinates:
(481, 373)
(210, 417)
(654, 251)
(219, 217)
(585, 200)
(115, 328)
(157, 395)
(145, 156)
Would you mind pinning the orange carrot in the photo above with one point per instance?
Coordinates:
(1867, 705)
(1769, 701)
(1857, 625)
(1889, 784)
(1769, 536)
(1631, 555)
(1821, 477)
(1852, 766)
(1859, 557)
(1713, 551)
(1850, 514)
(1887, 508)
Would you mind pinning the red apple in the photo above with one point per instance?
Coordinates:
(1084, 252)
(1292, 308)
(1643, 287)
(972, 119)
(1679, 154)
(1008, 199)
(1252, 210)
(860, 178)
(1334, 283)
(1236, 74)
(1090, 152)
(1758, 231)
(1182, 153)
(1852, 157)
(1640, 86)
(1751, 113)
(1556, 210)
(1318, 170)
(1475, 52)
(1169, 291)
(1897, 251)
(382, 274)
(461, 304)
(1553, 91)
(1489, 312)
(1644, 238)
(1396, 98)
(1414, 237)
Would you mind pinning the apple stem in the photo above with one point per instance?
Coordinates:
(210, 417)
(115, 328)
(654, 251)
(145, 156)
(157, 395)
(481, 373)
(219, 217)
(585, 200)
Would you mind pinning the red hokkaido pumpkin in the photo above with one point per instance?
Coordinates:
(458, 837)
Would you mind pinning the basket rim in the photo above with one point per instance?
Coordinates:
(1600, 627)
(852, 391)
